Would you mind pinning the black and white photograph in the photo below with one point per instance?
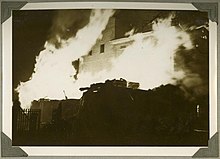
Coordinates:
(110, 77)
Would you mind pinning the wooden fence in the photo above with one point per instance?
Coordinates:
(25, 120)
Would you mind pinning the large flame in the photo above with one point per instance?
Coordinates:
(149, 60)
(53, 71)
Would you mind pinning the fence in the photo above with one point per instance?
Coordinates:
(25, 120)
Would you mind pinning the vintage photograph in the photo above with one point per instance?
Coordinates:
(110, 77)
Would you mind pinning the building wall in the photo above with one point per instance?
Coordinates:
(118, 25)
(47, 107)
(98, 61)
(69, 108)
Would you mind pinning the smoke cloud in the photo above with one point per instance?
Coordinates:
(195, 64)
(66, 23)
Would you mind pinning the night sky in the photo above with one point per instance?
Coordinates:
(30, 31)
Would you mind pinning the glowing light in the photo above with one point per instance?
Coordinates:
(53, 71)
(149, 60)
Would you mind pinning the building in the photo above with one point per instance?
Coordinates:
(56, 109)
(115, 40)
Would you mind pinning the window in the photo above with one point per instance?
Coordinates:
(90, 53)
(123, 46)
(102, 48)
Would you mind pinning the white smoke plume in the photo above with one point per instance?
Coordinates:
(53, 71)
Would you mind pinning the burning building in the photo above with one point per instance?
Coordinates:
(113, 44)
(115, 38)
(148, 49)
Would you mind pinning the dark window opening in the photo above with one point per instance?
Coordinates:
(123, 46)
(90, 53)
(102, 48)
(76, 66)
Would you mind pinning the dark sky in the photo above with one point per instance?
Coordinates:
(31, 29)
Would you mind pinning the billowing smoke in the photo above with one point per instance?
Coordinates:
(195, 64)
(54, 71)
(66, 24)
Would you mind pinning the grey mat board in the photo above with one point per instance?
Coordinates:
(212, 150)
(7, 150)
(211, 8)
(7, 7)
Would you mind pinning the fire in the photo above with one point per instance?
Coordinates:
(149, 60)
(53, 71)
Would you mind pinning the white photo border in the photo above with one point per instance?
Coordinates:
(103, 151)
